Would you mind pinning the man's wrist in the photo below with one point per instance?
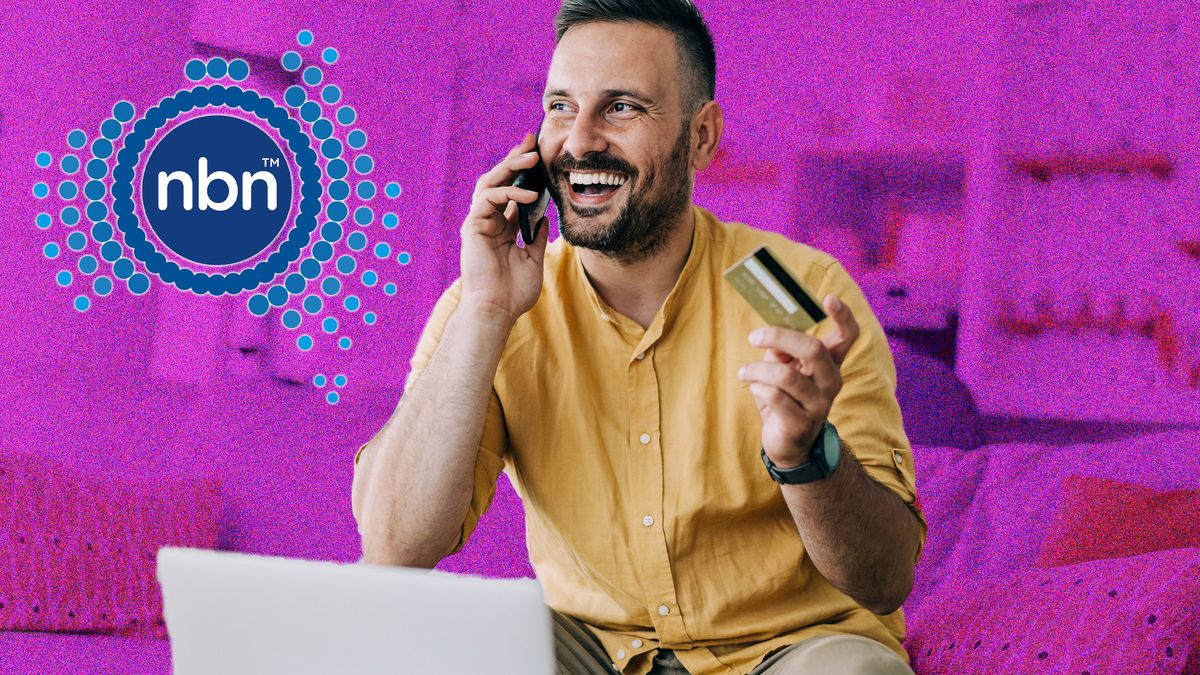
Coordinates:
(487, 314)
(801, 455)
(791, 462)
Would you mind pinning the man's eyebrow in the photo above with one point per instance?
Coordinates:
(627, 93)
(607, 93)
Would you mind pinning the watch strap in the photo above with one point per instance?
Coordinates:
(805, 473)
(814, 469)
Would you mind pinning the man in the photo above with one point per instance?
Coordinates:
(630, 393)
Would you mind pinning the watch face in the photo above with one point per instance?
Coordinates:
(832, 447)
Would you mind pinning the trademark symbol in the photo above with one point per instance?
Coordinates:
(270, 161)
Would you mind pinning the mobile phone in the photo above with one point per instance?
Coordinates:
(537, 180)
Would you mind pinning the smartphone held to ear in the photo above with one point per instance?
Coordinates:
(530, 215)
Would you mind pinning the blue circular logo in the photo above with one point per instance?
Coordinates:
(216, 190)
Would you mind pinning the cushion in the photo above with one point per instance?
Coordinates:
(946, 482)
(1107, 518)
(1012, 512)
(35, 652)
(78, 550)
(1119, 615)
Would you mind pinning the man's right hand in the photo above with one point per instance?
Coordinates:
(498, 276)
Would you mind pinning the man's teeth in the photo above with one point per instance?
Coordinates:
(578, 178)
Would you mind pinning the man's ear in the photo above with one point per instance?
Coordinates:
(707, 125)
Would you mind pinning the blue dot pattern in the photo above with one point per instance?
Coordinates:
(139, 284)
(195, 70)
(239, 70)
(107, 249)
(291, 319)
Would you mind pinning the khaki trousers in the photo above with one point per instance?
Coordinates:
(578, 652)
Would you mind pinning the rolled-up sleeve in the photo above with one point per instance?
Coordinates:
(866, 412)
(494, 439)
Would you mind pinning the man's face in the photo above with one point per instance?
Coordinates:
(616, 138)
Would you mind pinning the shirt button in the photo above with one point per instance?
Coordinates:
(620, 653)
(640, 356)
(644, 438)
(636, 643)
(899, 457)
(604, 317)
(664, 610)
(647, 521)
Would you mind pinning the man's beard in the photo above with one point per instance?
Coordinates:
(644, 225)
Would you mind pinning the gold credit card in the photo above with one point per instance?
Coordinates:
(774, 292)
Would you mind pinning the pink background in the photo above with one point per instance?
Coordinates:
(889, 134)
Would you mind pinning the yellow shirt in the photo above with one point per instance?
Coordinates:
(649, 514)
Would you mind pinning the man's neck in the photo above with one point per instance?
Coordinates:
(637, 290)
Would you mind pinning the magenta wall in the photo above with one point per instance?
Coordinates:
(863, 128)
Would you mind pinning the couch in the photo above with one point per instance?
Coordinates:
(993, 591)
(1059, 558)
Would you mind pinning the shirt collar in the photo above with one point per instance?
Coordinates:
(666, 314)
(694, 261)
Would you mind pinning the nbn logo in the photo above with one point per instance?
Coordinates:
(206, 179)
(217, 190)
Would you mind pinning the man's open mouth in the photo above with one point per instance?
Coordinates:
(594, 187)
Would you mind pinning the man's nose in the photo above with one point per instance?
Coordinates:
(584, 137)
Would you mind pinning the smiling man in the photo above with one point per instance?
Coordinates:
(636, 401)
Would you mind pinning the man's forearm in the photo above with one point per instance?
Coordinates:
(859, 534)
(412, 485)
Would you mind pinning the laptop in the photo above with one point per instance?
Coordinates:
(232, 613)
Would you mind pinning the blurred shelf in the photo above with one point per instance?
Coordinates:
(1043, 168)
(910, 304)
(931, 164)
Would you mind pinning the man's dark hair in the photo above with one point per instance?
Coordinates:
(698, 59)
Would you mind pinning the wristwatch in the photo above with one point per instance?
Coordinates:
(826, 453)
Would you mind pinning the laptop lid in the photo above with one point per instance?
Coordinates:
(232, 613)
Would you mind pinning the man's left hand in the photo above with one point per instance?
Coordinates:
(796, 381)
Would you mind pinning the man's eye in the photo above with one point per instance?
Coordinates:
(622, 106)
